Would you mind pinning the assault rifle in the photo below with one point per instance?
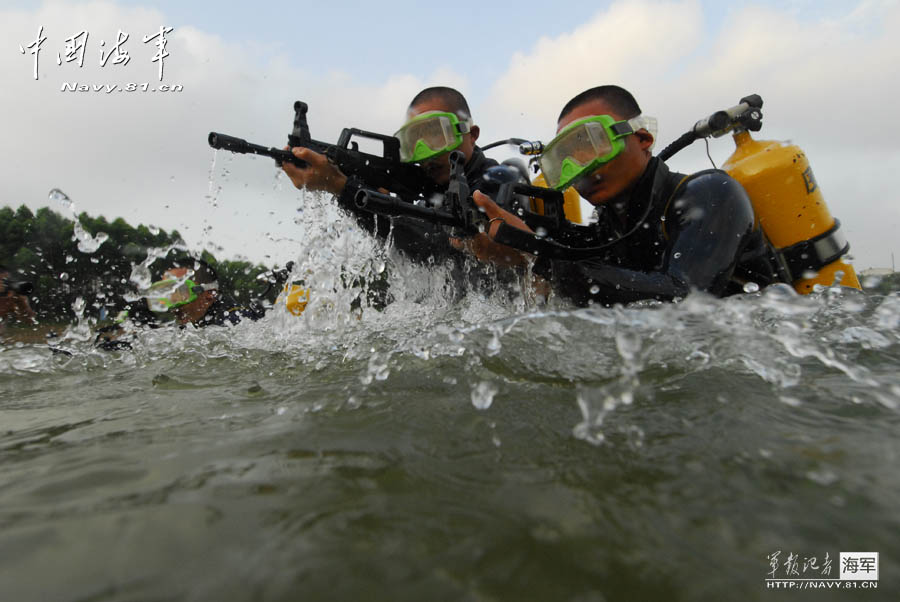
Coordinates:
(407, 180)
(21, 287)
(458, 210)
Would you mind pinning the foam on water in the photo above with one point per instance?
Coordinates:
(775, 335)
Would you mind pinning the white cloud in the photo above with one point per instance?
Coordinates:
(632, 44)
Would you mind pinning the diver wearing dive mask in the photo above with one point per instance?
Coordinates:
(659, 234)
(438, 122)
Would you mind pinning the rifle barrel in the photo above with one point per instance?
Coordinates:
(239, 145)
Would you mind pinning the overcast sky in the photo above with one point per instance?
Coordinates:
(827, 72)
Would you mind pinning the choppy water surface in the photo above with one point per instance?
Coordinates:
(468, 449)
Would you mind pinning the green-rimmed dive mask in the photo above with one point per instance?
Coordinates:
(431, 134)
(585, 144)
(174, 291)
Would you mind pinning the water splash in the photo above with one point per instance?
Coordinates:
(58, 196)
(483, 395)
(86, 243)
(141, 276)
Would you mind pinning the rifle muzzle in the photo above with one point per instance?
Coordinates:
(21, 287)
(229, 143)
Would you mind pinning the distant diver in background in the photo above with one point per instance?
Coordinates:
(14, 305)
(192, 296)
(187, 294)
(659, 234)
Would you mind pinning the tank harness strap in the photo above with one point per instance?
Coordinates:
(776, 260)
(762, 248)
(672, 197)
(815, 253)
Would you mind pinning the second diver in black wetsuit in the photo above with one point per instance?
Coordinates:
(659, 234)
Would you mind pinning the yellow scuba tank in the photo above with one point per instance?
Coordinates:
(294, 297)
(791, 210)
(571, 201)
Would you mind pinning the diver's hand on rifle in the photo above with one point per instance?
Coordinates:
(482, 245)
(320, 173)
(496, 215)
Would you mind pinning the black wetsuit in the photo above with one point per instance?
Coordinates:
(673, 234)
(223, 311)
(226, 311)
(416, 238)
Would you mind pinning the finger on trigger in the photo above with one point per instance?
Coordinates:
(484, 202)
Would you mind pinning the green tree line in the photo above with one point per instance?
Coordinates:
(883, 284)
(42, 248)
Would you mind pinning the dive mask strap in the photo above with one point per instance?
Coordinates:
(644, 122)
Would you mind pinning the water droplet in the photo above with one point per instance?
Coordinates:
(629, 345)
(483, 395)
(377, 369)
(86, 242)
(493, 346)
(790, 401)
(871, 281)
(140, 275)
(751, 287)
(540, 232)
(700, 356)
(58, 196)
(594, 289)
(823, 477)
(676, 255)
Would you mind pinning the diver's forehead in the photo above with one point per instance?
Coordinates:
(589, 108)
(428, 106)
(176, 273)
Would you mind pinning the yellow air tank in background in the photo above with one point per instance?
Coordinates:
(571, 201)
(789, 206)
(294, 297)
